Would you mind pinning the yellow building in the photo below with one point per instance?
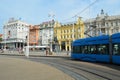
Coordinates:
(65, 34)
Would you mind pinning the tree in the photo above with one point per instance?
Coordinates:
(0, 39)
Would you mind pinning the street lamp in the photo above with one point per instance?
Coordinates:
(50, 38)
(5, 34)
(27, 47)
(51, 26)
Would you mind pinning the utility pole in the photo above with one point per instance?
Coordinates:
(93, 28)
(74, 27)
(110, 45)
(73, 31)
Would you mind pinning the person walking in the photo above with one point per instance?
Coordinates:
(46, 52)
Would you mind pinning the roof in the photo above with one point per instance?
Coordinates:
(99, 18)
(1, 35)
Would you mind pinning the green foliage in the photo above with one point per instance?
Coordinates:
(0, 39)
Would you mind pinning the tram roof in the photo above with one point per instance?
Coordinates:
(116, 38)
(104, 39)
(116, 35)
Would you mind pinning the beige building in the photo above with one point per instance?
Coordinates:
(102, 24)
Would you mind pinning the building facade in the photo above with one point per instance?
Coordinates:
(46, 33)
(103, 24)
(65, 34)
(34, 35)
(15, 34)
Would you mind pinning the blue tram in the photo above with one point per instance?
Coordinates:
(103, 48)
(116, 48)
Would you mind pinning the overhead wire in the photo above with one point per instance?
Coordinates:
(76, 15)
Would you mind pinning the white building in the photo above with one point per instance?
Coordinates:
(15, 34)
(46, 33)
(102, 24)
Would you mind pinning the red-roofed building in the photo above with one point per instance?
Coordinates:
(34, 35)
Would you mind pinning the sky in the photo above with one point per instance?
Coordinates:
(38, 11)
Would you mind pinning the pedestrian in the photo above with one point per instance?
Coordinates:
(2, 50)
(67, 52)
(46, 52)
(23, 50)
(19, 50)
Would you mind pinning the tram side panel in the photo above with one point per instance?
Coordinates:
(116, 48)
(91, 49)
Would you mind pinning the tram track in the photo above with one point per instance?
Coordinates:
(63, 68)
(79, 72)
(93, 69)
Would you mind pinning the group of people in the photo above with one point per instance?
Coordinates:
(2, 50)
(47, 51)
(20, 50)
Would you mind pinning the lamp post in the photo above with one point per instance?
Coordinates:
(27, 47)
(51, 39)
(5, 37)
(51, 15)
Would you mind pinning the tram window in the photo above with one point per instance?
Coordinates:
(93, 49)
(76, 49)
(103, 49)
(84, 49)
(116, 49)
(89, 49)
(73, 49)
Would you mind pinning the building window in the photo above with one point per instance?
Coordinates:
(16, 24)
(67, 31)
(117, 30)
(116, 23)
(74, 36)
(61, 31)
(111, 24)
(61, 37)
(107, 24)
(103, 30)
(68, 36)
(74, 30)
(64, 31)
